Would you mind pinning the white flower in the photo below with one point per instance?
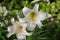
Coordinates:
(3, 10)
(33, 17)
(18, 28)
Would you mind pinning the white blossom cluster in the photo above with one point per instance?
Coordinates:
(32, 18)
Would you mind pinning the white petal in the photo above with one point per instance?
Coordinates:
(35, 1)
(24, 25)
(26, 10)
(5, 11)
(28, 34)
(6, 21)
(42, 15)
(9, 34)
(12, 21)
(10, 30)
(39, 24)
(36, 7)
(49, 15)
(21, 37)
(31, 26)
(22, 20)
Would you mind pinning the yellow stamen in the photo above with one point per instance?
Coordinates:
(32, 16)
(19, 30)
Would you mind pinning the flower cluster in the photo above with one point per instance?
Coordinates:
(32, 19)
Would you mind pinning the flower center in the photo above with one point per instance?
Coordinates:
(20, 28)
(32, 16)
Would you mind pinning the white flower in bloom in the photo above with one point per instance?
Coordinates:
(18, 28)
(33, 17)
(3, 10)
(35, 1)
